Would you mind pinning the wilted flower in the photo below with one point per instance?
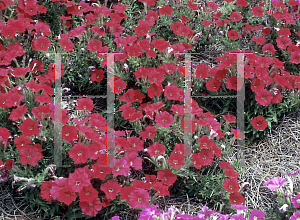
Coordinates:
(4, 173)
(283, 208)
(31, 185)
(295, 173)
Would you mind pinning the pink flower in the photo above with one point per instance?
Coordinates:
(275, 183)
(256, 214)
(296, 201)
(295, 216)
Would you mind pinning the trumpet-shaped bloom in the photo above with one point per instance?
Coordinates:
(275, 183)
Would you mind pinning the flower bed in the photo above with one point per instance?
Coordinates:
(171, 136)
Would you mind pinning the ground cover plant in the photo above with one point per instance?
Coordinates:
(151, 156)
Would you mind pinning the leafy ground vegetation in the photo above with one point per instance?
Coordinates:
(169, 61)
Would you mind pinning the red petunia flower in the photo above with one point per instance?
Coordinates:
(8, 32)
(266, 31)
(57, 187)
(206, 23)
(88, 194)
(176, 160)
(78, 153)
(184, 19)
(207, 156)
(45, 190)
(80, 178)
(166, 176)
(257, 85)
(165, 10)
(293, 48)
(188, 125)
(192, 6)
(148, 133)
(22, 141)
(142, 29)
(85, 104)
(232, 34)
(257, 11)
(171, 92)
(161, 189)
(235, 16)
(169, 68)
(269, 48)
(120, 167)
(111, 188)
(236, 198)
(139, 198)
(160, 44)
(156, 149)
(67, 195)
(278, 3)
(69, 133)
(136, 144)
(137, 96)
(66, 44)
(43, 99)
(4, 134)
(120, 85)
(91, 208)
(94, 45)
(230, 118)
(133, 160)
(232, 83)
(231, 185)
(177, 27)
(134, 50)
(259, 40)
(259, 123)
(213, 5)
(156, 76)
(97, 75)
(164, 119)
(99, 31)
(283, 42)
(213, 85)
(148, 2)
(151, 17)
(30, 154)
(277, 99)
(29, 127)
(242, 3)
(100, 168)
(150, 53)
(295, 57)
(205, 142)
(154, 90)
(264, 97)
(41, 43)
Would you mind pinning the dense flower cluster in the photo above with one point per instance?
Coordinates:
(88, 140)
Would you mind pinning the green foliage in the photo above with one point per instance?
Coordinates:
(54, 10)
(205, 184)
